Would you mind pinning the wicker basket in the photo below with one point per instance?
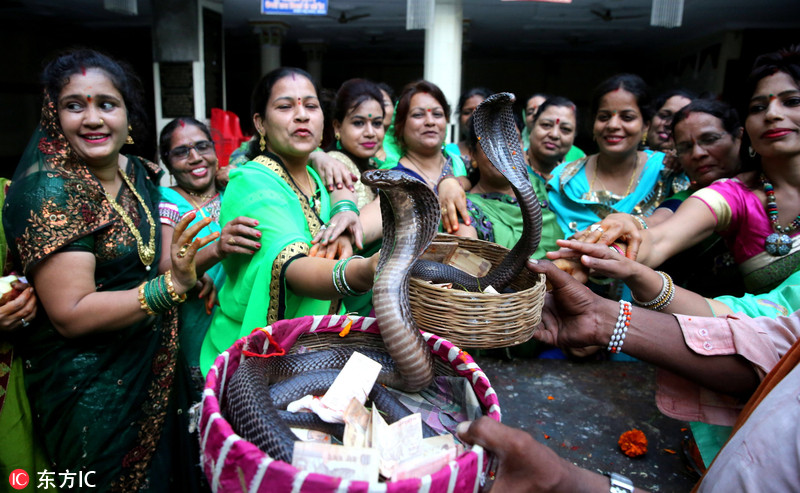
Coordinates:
(480, 320)
(234, 464)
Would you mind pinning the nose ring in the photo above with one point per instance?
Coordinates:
(102, 122)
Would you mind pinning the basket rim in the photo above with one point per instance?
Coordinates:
(211, 417)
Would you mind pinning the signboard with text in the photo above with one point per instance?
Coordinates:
(294, 7)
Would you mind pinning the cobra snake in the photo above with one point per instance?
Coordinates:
(410, 212)
(497, 134)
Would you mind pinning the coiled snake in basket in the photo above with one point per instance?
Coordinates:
(410, 213)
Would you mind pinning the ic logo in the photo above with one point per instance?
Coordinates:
(18, 479)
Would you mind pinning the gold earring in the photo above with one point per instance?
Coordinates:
(644, 139)
(129, 140)
(336, 136)
(262, 143)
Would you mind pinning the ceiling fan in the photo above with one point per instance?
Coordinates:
(343, 17)
(606, 15)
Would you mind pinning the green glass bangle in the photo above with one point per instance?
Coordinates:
(344, 205)
(350, 291)
(336, 275)
(150, 297)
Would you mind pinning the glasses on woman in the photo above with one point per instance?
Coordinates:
(705, 141)
(182, 152)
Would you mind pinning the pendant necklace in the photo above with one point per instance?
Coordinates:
(147, 253)
(779, 243)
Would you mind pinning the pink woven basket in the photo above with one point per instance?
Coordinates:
(234, 464)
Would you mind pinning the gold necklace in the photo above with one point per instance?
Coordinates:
(147, 253)
(200, 195)
(630, 183)
(197, 206)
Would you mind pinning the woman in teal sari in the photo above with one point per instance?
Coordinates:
(102, 358)
(187, 151)
(619, 178)
(287, 198)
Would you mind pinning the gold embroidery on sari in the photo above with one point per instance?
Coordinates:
(312, 216)
(136, 462)
(290, 251)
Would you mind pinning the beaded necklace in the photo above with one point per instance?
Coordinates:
(778, 243)
(147, 253)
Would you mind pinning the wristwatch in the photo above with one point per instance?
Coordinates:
(619, 483)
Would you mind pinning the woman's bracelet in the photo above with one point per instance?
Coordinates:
(664, 297)
(143, 302)
(158, 295)
(340, 279)
(177, 298)
(670, 295)
(621, 327)
(343, 206)
(640, 220)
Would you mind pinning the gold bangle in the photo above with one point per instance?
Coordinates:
(143, 302)
(177, 298)
(640, 220)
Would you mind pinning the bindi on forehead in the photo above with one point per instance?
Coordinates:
(182, 123)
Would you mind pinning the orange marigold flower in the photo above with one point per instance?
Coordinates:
(633, 443)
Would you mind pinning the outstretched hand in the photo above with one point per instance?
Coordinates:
(183, 250)
(614, 227)
(571, 314)
(345, 221)
(524, 464)
(599, 259)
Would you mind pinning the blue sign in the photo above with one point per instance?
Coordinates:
(294, 7)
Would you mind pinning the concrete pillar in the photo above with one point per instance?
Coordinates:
(443, 53)
(179, 71)
(271, 38)
(314, 49)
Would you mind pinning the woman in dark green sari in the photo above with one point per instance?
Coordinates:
(103, 368)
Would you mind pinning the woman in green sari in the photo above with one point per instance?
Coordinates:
(102, 358)
(292, 206)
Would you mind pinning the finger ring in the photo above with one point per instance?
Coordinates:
(444, 210)
(24, 323)
(231, 241)
(596, 227)
(332, 225)
(323, 228)
(182, 252)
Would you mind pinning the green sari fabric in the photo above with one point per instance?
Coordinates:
(779, 302)
(255, 293)
(105, 402)
(497, 218)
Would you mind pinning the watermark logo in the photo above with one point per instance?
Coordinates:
(18, 479)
